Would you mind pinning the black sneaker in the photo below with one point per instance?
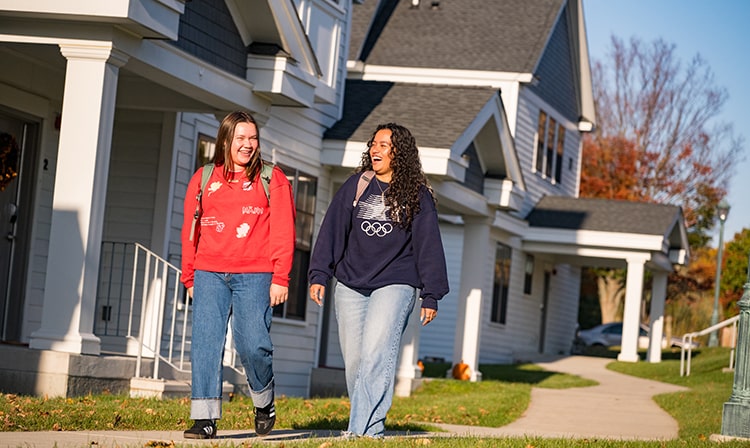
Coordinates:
(202, 429)
(265, 418)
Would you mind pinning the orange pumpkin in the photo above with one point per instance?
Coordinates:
(461, 371)
(420, 364)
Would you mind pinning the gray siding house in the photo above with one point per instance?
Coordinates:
(113, 105)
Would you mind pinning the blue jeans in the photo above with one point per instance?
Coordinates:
(216, 297)
(370, 330)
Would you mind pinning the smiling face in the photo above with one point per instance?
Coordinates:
(381, 155)
(244, 143)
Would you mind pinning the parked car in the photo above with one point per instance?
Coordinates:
(610, 334)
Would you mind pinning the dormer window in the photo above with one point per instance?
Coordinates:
(550, 144)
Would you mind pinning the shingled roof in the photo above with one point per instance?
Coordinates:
(507, 35)
(363, 15)
(436, 115)
(605, 215)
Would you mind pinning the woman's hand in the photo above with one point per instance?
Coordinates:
(190, 292)
(317, 292)
(279, 294)
(427, 315)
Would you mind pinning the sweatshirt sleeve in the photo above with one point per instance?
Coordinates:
(282, 231)
(189, 247)
(334, 230)
(428, 250)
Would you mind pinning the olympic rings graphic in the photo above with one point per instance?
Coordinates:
(376, 228)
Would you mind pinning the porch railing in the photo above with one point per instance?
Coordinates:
(686, 353)
(145, 309)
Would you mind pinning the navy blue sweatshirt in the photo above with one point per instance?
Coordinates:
(365, 250)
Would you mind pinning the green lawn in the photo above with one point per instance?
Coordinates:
(499, 399)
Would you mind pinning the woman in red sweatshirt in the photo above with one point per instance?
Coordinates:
(235, 262)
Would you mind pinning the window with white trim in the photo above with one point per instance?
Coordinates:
(550, 145)
(501, 283)
(206, 150)
(304, 187)
(528, 277)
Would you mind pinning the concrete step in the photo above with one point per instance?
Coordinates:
(160, 388)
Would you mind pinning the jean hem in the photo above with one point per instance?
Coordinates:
(205, 408)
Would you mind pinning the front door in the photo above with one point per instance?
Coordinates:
(18, 138)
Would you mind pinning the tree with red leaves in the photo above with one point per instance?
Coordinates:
(658, 139)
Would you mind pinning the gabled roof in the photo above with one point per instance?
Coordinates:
(436, 115)
(504, 36)
(605, 215)
(590, 231)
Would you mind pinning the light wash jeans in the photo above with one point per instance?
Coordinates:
(245, 297)
(370, 330)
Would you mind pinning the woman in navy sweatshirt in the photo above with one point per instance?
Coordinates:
(383, 249)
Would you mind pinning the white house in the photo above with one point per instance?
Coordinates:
(498, 95)
(113, 105)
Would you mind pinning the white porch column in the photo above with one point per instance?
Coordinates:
(79, 199)
(408, 370)
(658, 296)
(476, 263)
(631, 316)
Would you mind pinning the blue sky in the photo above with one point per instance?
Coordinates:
(718, 30)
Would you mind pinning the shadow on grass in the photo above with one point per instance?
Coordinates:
(341, 424)
(334, 424)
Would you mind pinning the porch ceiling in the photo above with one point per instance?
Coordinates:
(141, 86)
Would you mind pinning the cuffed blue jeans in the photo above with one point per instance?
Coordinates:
(246, 298)
(370, 330)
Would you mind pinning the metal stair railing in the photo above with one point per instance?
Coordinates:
(158, 276)
(686, 353)
(156, 312)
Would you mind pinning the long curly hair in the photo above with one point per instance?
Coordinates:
(402, 196)
(223, 154)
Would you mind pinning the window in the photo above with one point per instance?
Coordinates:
(206, 150)
(324, 22)
(304, 190)
(528, 274)
(550, 144)
(559, 153)
(204, 154)
(500, 286)
(540, 132)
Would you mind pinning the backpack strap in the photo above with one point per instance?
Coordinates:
(364, 180)
(265, 178)
(205, 175)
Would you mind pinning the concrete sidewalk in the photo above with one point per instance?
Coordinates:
(620, 408)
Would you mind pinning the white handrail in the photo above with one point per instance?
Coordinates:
(686, 353)
(158, 320)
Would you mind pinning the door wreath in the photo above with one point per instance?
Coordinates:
(8, 159)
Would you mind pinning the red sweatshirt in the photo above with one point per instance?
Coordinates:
(238, 231)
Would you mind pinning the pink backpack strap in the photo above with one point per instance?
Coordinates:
(362, 183)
